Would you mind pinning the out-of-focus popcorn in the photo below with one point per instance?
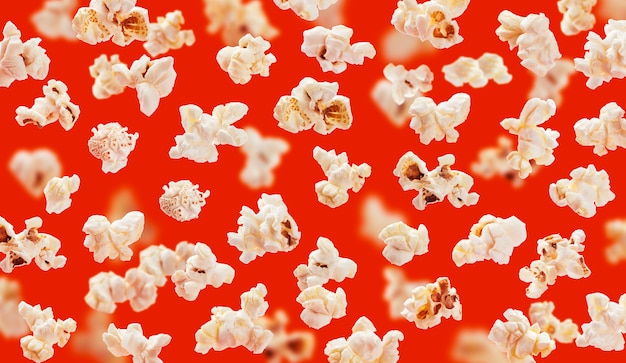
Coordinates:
(182, 200)
(106, 82)
(557, 257)
(167, 34)
(294, 346)
(375, 216)
(550, 85)
(341, 177)
(615, 230)
(161, 262)
(534, 143)
(435, 121)
(106, 289)
(54, 106)
(58, 191)
(11, 323)
(492, 161)
(306, 9)
(203, 132)
(324, 264)
(477, 72)
(321, 305)
(428, 304)
(537, 46)
(382, 95)
(33, 169)
(399, 47)
(577, 15)
(473, 346)
(117, 20)
(271, 230)
(398, 290)
(263, 155)
(18, 59)
(247, 59)
(611, 9)
(316, 105)
(88, 339)
(363, 345)
(541, 313)
(131, 341)
(587, 190)
(604, 133)
(54, 19)
(432, 186)
(230, 328)
(236, 19)
(332, 48)
(608, 323)
(403, 242)
(112, 144)
(113, 240)
(407, 84)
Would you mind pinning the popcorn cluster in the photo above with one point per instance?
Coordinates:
(112, 144)
(263, 155)
(58, 191)
(541, 313)
(428, 304)
(182, 200)
(435, 121)
(236, 19)
(167, 34)
(118, 21)
(54, 19)
(551, 85)
(11, 323)
(33, 169)
(477, 72)
(492, 161)
(47, 332)
(608, 323)
(577, 15)
(305, 9)
(18, 59)
(407, 84)
(587, 190)
(131, 341)
(398, 290)
(294, 346)
(615, 231)
(403, 242)
(113, 240)
(246, 59)
(54, 106)
(604, 133)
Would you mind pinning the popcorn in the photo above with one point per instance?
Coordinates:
(604, 133)
(203, 132)
(106, 289)
(408, 84)
(534, 142)
(550, 85)
(577, 15)
(477, 72)
(332, 48)
(400, 47)
(88, 340)
(492, 161)
(603, 60)
(113, 240)
(557, 257)
(54, 19)
(436, 121)
(321, 305)
(246, 59)
(107, 82)
(588, 189)
(382, 95)
(263, 155)
(324, 264)
(117, 20)
(341, 177)
(21, 59)
(54, 106)
(131, 341)
(293, 346)
(167, 34)
(112, 144)
(305, 9)
(236, 19)
(615, 230)
(363, 345)
(402, 242)
(564, 331)
(57, 192)
(375, 216)
(161, 262)
(473, 346)
(492, 238)
(271, 230)
(608, 323)
(398, 290)
(430, 303)
(316, 105)
(33, 169)
(537, 46)
(182, 200)
(11, 324)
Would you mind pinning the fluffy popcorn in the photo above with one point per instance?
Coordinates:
(408, 84)
(608, 323)
(54, 106)
(113, 240)
(534, 143)
(565, 331)
(182, 200)
(106, 82)
(382, 95)
(492, 161)
(473, 346)
(398, 290)
(294, 346)
(587, 190)
(321, 305)
(324, 264)
(435, 121)
(33, 169)
(112, 144)
(230, 328)
(332, 48)
(11, 323)
(167, 34)
(106, 289)
(263, 155)
(604, 133)
(341, 177)
(615, 231)
(535, 42)
(246, 59)
(551, 85)
(58, 191)
(131, 341)
(577, 15)
(432, 186)
(363, 345)
(306, 9)
(428, 304)
(161, 262)
(47, 332)
(477, 72)
(117, 20)
(54, 19)
(203, 132)
(19, 60)
(403, 242)
(271, 230)
(236, 19)
(375, 216)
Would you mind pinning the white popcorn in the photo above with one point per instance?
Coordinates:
(106, 289)
(332, 48)
(131, 341)
(113, 240)
(182, 200)
(492, 161)
(403, 242)
(341, 177)
(11, 323)
(324, 264)
(246, 59)
(112, 144)
(577, 15)
(435, 121)
(18, 59)
(550, 85)
(608, 323)
(473, 346)
(604, 133)
(271, 230)
(428, 304)
(107, 82)
(434, 185)
(305, 9)
(316, 105)
(534, 143)
(382, 95)
(557, 257)
(587, 190)
(398, 290)
(321, 305)
(54, 19)
(33, 169)
(294, 346)
(615, 231)
(54, 106)
(117, 20)
(236, 19)
(537, 46)
(406, 85)
(565, 331)
(492, 238)
(263, 155)
(375, 216)
(167, 34)
(160, 262)
(203, 132)
(363, 345)
(58, 191)
(477, 72)
(47, 332)
(230, 328)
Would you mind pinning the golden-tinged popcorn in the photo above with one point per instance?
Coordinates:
(33, 169)
(477, 72)
(18, 59)
(615, 231)
(117, 20)
(167, 34)
(577, 15)
(106, 289)
(11, 323)
(58, 191)
(565, 331)
(324, 264)
(550, 85)
(321, 305)
(473, 346)
(54, 19)
(492, 161)
(406, 85)
(428, 304)
(294, 346)
(263, 155)
(332, 48)
(398, 290)
(113, 240)
(403, 242)
(382, 95)
(341, 177)
(112, 144)
(246, 59)
(131, 341)
(182, 200)
(608, 323)
(54, 106)
(236, 19)
(604, 133)
(106, 82)
(435, 121)
(306, 9)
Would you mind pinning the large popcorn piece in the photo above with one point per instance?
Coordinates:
(113, 240)
(557, 257)
(608, 323)
(534, 143)
(324, 264)
(33, 169)
(603, 58)
(247, 59)
(577, 15)
(306, 9)
(54, 106)
(551, 85)
(428, 304)
(236, 19)
(587, 190)
(167, 34)
(398, 290)
(316, 105)
(203, 132)
(263, 155)
(477, 72)
(294, 346)
(47, 332)
(363, 345)
(604, 133)
(492, 161)
(54, 19)
(131, 341)
(408, 84)
(271, 230)
(565, 331)
(615, 231)
(435, 121)
(18, 59)
(182, 200)
(112, 144)
(58, 191)
(492, 238)
(341, 177)
(106, 289)
(332, 48)
(403, 242)
(11, 323)
(321, 305)
(117, 20)
(106, 81)
(432, 186)
(230, 328)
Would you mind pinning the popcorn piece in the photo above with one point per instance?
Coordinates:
(167, 34)
(608, 323)
(564, 331)
(182, 200)
(11, 323)
(611, 9)
(54, 19)
(332, 48)
(112, 144)
(477, 72)
(436, 121)
(118, 21)
(271, 230)
(341, 177)
(382, 95)
(402, 242)
(293, 346)
(615, 230)
(603, 60)
(263, 155)
(112, 240)
(492, 161)
(107, 82)
(577, 16)
(316, 105)
(550, 85)
(324, 264)
(473, 346)
(321, 305)
(557, 257)
(246, 59)
(588, 189)
(430, 303)
(306, 9)
(398, 290)
(604, 133)
(408, 84)
(236, 19)
(57, 192)
(375, 216)
(33, 169)
(18, 59)
(106, 289)
(492, 238)
(363, 345)
(54, 106)
(131, 341)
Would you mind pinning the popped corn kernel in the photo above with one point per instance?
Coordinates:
(604, 133)
(587, 190)
(492, 161)
(615, 231)
(236, 19)
(33, 169)
(54, 19)
(341, 177)
(398, 290)
(11, 323)
(403, 242)
(182, 200)
(382, 95)
(408, 84)
(167, 34)
(294, 346)
(107, 81)
(428, 304)
(112, 144)
(305, 9)
(54, 106)
(551, 85)
(477, 72)
(321, 305)
(117, 20)
(21, 59)
(131, 341)
(435, 121)
(113, 240)
(324, 264)
(608, 323)
(58, 191)
(106, 289)
(565, 331)
(246, 59)
(577, 15)
(263, 155)
(473, 346)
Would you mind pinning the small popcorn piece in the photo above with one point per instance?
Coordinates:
(305, 9)
(603, 60)
(117, 20)
(54, 106)
(403, 242)
(294, 346)
(435, 121)
(565, 331)
(54, 19)
(324, 264)
(113, 240)
(363, 345)
(33, 169)
(406, 85)
(473, 346)
(236, 19)
(107, 82)
(263, 155)
(18, 59)
(106, 289)
(608, 323)
(477, 72)
(182, 200)
(341, 177)
(58, 191)
(246, 59)
(587, 190)
(382, 95)
(604, 133)
(551, 85)
(615, 231)
(492, 161)
(12, 325)
(321, 305)
(112, 144)
(131, 341)
(332, 48)
(167, 34)
(430, 303)
(577, 15)
(398, 290)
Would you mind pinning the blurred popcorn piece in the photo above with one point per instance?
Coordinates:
(112, 144)
(375, 216)
(397, 290)
(492, 161)
(305, 9)
(321, 305)
(106, 289)
(565, 331)
(324, 264)
(54, 19)
(263, 155)
(88, 339)
(615, 230)
(293, 346)
(477, 72)
(435, 121)
(403, 242)
(428, 304)
(18, 59)
(577, 15)
(54, 106)
(341, 177)
(182, 200)
(167, 34)
(400, 47)
(247, 59)
(611, 9)
(551, 85)
(58, 191)
(113, 240)
(473, 346)
(117, 20)
(608, 323)
(11, 323)
(604, 133)
(131, 341)
(587, 190)
(33, 169)
(382, 95)
(106, 82)
(236, 19)
(408, 84)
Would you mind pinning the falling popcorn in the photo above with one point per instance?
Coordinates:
(54, 106)
(161, 262)
(615, 231)
(131, 341)
(403, 242)
(551, 85)
(398, 290)
(608, 323)
(113, 240)
(112, 144)
(382, 95)
(375, 216)
(587, 190)
(577, 15)
(18, 59)
(236, 19)
(118, 21)
(492, 161)
(604, 133)
(324, 264)
(263, 155)
(341, 177)
(167, 34)
(435, 121)
(11, 323)
(477, 72)
(54, 19)
(565, 331)
(246, 59)
(428, 304)
(294, 346)
(106, 80)
(88, 339)
(306, 9)
(321, 305)
(182, 200)
(408, 84)
(58, 191)
(33, 169)
(106, 289)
